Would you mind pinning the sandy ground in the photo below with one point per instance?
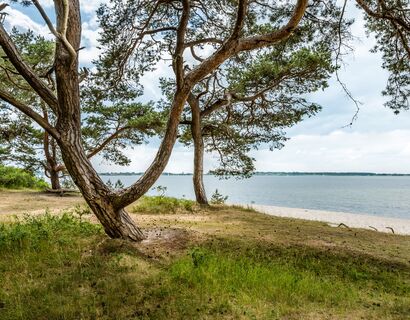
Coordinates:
(383, 224)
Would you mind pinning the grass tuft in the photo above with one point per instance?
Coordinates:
(162, 204)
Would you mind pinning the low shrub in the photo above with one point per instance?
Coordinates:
(16, 178)
(161, 204)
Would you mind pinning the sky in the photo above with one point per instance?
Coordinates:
(378, 141)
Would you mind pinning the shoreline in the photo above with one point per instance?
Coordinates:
(334, 218)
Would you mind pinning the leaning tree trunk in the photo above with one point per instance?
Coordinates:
(115, 220)
(198, 177)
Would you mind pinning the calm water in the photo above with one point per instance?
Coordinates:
(383, 196)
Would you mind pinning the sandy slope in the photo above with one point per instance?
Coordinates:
(383, 224)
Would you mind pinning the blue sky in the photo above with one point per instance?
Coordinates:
(378, 141)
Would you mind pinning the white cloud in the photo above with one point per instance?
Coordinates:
(18, 19)
(341, 151)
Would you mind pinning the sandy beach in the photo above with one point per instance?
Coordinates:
(377, 223)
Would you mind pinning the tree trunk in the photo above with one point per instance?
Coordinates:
(196, 131)
(116, 221)
(54, 179)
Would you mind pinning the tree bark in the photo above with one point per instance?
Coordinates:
(100, 198)
(116, 221)
(55, 180)
(196, 131)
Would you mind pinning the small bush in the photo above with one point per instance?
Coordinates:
(15, 178)
(218, 198)
(161, 204)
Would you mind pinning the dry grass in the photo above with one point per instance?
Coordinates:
(18, 202)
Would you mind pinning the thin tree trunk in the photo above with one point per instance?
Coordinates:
(196, 131)
(54, 179)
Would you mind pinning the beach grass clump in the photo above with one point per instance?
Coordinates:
(16, 178)
(42, 231)
(163, 205)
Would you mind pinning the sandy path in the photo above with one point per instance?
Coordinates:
(383, 224)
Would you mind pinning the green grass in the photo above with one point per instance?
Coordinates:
(162, 204)
(16, 178)
(234, 279)
(64, 267)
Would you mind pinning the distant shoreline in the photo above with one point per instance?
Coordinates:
(333, 174)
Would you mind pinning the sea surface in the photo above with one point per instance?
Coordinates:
(387, 196)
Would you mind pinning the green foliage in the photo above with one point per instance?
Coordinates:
(19, 136)
(218, 198)
(392, 41)
(119, 184)
(164, 205)
(35, 232)
(15, 178)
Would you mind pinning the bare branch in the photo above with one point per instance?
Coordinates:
(59, 36)
(102, 145)
(240, 19)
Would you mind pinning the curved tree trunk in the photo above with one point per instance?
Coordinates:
(116, 221)
(196, 131)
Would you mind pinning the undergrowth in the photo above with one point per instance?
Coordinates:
(16, 178)
(162, 204)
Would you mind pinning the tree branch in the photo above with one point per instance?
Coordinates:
(60, 36)
(30, 112)
(260, 41)
(234, 45)
(102, 145)
(382, 15)
(179, 48)
(203, 41)
(26, 72)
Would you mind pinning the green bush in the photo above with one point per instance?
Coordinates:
(15, 178)
(161, 204)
